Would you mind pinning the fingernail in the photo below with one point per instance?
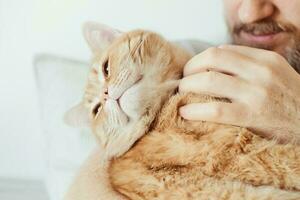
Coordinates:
(183, 111)
(181, 86)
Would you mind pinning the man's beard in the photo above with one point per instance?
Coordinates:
(291, 51)
(293, 56)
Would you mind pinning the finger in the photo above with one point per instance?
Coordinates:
(254, 53)
(218, 112)
(216, 84)
(222, 60)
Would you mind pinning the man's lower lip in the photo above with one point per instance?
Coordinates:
(263, 39)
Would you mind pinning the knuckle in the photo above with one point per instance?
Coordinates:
(260, 100)
(256, 97)
(217, 112)
(268, 73)
(212, 52)
(275, 57)
(211, 76)
(181, 87)
(262, 94)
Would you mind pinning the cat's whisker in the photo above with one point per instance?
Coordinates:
(124, 80)
(122, 76)
(114, 116)
(117, 80)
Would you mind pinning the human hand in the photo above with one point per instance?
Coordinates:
(263, 88)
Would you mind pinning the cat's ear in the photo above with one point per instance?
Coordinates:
(78, 116)
(99, 36)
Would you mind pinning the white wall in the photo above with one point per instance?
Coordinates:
(28, 27)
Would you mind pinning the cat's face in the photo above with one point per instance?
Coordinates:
(121, 74)
(131, 73)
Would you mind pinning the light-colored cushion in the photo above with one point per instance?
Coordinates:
(60, 85)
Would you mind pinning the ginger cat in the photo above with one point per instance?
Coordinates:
(149, 151)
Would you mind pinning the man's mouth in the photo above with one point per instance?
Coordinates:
(261, 38)
(262, 34)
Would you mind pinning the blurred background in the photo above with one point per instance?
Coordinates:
(43, 62)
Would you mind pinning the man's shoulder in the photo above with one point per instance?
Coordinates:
(193, 46)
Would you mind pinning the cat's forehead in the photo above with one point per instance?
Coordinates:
(126, 40)
(117, 51)
(135, 46)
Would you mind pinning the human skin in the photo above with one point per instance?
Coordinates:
(263, 88)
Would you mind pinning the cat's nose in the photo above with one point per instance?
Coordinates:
(105, 94)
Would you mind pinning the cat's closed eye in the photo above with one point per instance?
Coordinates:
(97, 109)
(105, 68)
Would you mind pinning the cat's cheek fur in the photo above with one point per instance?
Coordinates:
(131, 102)
(124, 80)
(115, 115)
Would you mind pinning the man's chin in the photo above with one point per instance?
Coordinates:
(293, 56)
